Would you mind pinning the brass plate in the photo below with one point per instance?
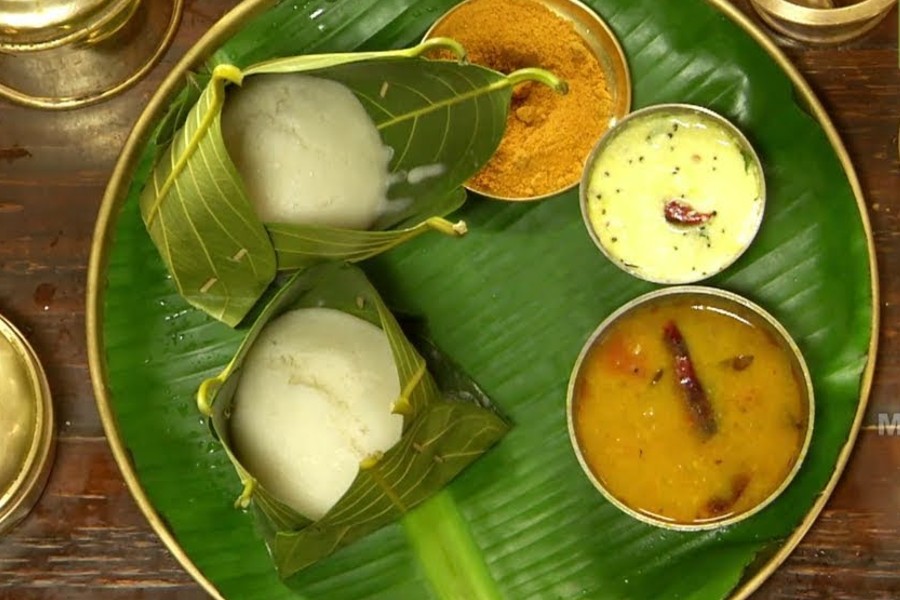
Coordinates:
(27, 26)
(217, 35)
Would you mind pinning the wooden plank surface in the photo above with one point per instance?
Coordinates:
(87, 538)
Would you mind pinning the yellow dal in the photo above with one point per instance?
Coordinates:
(637, 436)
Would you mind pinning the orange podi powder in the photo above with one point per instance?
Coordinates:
(679, 453)
(548, 135)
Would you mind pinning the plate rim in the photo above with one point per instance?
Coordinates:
(114, 197)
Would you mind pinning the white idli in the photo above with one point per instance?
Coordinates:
(313, 401)
(307, 151)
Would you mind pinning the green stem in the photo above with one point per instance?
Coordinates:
(441, 43)
(516, 77)
(293, 64)
(449, 556)
(247, 491)
(206, 393)
(446, 227)
(541, 75)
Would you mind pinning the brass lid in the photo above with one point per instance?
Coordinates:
(27, 434)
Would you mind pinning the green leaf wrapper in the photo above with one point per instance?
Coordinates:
(444, 429)
(430, 112)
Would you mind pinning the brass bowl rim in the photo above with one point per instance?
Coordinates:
(88, 25)
(94, 34)
(841, 15)
(698, 291)
(623, 87)
(668, 109)
(25, 489)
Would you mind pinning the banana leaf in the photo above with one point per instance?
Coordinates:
(512, 302)
(196, 209)
(443, 431)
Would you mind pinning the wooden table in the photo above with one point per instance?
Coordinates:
(87, 539)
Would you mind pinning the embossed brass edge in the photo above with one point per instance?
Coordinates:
(88, 26)
(822, 25)
(844, 15)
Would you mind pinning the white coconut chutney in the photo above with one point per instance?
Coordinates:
(307, 151)
(313, 401)
(674, 197)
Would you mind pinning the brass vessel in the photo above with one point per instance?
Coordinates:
(822, 21)
(60, 54)
(28, 434)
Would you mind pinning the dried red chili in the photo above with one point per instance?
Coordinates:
(682, 213)
(700, 408)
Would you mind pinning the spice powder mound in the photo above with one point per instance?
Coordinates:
(548, 135)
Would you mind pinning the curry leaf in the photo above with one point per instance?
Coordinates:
(443, 431)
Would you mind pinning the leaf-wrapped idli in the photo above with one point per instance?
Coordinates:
(321, 157)
(332, 419)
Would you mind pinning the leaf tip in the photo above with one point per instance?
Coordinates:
(370, 461)
(228, 72)
(442, 43)
(446, 227)
(206, 395)
(401, 406)
(243, 501)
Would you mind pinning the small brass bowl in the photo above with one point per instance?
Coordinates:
(740, 308)
(657, 261)
(818, 23)
(604, 45)
(29, 436)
